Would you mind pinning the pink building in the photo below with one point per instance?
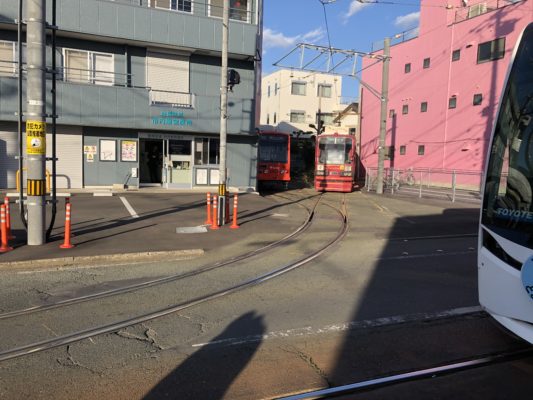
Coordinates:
(444, 86)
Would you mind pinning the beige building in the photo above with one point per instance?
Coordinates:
(291, 101)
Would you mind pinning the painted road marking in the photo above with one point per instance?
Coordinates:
(309, 331)
(128, 207)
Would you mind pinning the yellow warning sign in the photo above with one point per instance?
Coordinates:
(36, 137)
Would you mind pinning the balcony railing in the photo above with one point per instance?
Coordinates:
(240, 10)
(480, 8)
(171, 99)
(105, 78)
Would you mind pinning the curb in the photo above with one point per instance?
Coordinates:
(100, 261)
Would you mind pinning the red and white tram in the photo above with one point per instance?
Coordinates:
(335, 166)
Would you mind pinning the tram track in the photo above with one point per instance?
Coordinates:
(167, 279)
(376, 383)
(76, 336)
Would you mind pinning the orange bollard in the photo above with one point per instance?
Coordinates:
(3, 228)
(214, 222)
(235, 206)
(8, 219)
(208, 220)
(67, 244)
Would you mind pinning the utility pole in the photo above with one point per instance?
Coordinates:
(383, 114)
(36, 121)
(223, 113)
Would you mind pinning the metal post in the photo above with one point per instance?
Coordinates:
(20, 136)
(383, 114)
(393, 182)
(420, 194)
(223, 113)
(54, 121)
(35, 121)
(453, 186)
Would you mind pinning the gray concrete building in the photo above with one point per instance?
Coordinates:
(138, 97)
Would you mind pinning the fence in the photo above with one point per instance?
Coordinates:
(452, 185)
(481, 8)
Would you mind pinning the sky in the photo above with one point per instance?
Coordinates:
(352, 26)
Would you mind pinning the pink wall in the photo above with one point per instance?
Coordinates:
(453, 138)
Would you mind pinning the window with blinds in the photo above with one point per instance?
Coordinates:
(89, 67)
(7, 58)
(168, 79)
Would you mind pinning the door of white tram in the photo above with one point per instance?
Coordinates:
(505, 256)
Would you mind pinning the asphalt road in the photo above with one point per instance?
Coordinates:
(399, 293)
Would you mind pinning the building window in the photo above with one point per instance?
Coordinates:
(424, 106)
(426, 63)
(478, 9)
(456, 55)
(268, 91)
(478, 99)
(324, 91)
(275, 89)
(89, 67)
(7, 59)
(206, 151)
(402, 150)
(392, 113)
(268, 119)
(327, 118)
(492, 50)
(275, 118)
(238, 9)
(405, 109)
(177, 5)
(407, 68)
(421, 150)
(452, 102)
(389, 152)
(167, 76)
(351, 131)
(298, 116)
(298, 88)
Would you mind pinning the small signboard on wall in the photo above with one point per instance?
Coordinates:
(108, 150)
(128, 150)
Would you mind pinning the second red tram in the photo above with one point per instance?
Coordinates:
(274, 158)
(335, 163)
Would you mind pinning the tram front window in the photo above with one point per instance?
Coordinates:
(507, 206)
(334, 150)
(273, 149)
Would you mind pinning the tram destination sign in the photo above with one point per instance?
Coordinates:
(171, 118)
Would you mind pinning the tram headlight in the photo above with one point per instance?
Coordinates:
(320, 167)
(348, 168)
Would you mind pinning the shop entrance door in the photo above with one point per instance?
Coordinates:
(151, 162)
(178, 160)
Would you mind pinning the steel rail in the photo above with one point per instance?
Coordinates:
(113, 327)
(167, 279)
(410, 376)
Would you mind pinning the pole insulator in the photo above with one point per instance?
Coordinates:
(66, 244)
(214, 222)
(8, 219)
(4, 247)
(208, 221)
(235, 207)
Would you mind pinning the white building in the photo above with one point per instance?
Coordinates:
(291, 101)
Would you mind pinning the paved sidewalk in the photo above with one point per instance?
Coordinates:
(138, 224)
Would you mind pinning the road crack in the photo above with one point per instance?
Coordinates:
(310, 362)
(71, 362)
(149, 337)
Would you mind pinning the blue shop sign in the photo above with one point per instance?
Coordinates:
(174, 118)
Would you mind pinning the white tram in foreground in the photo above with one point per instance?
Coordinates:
(505, 253)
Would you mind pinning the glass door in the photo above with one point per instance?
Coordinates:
(179, 163)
